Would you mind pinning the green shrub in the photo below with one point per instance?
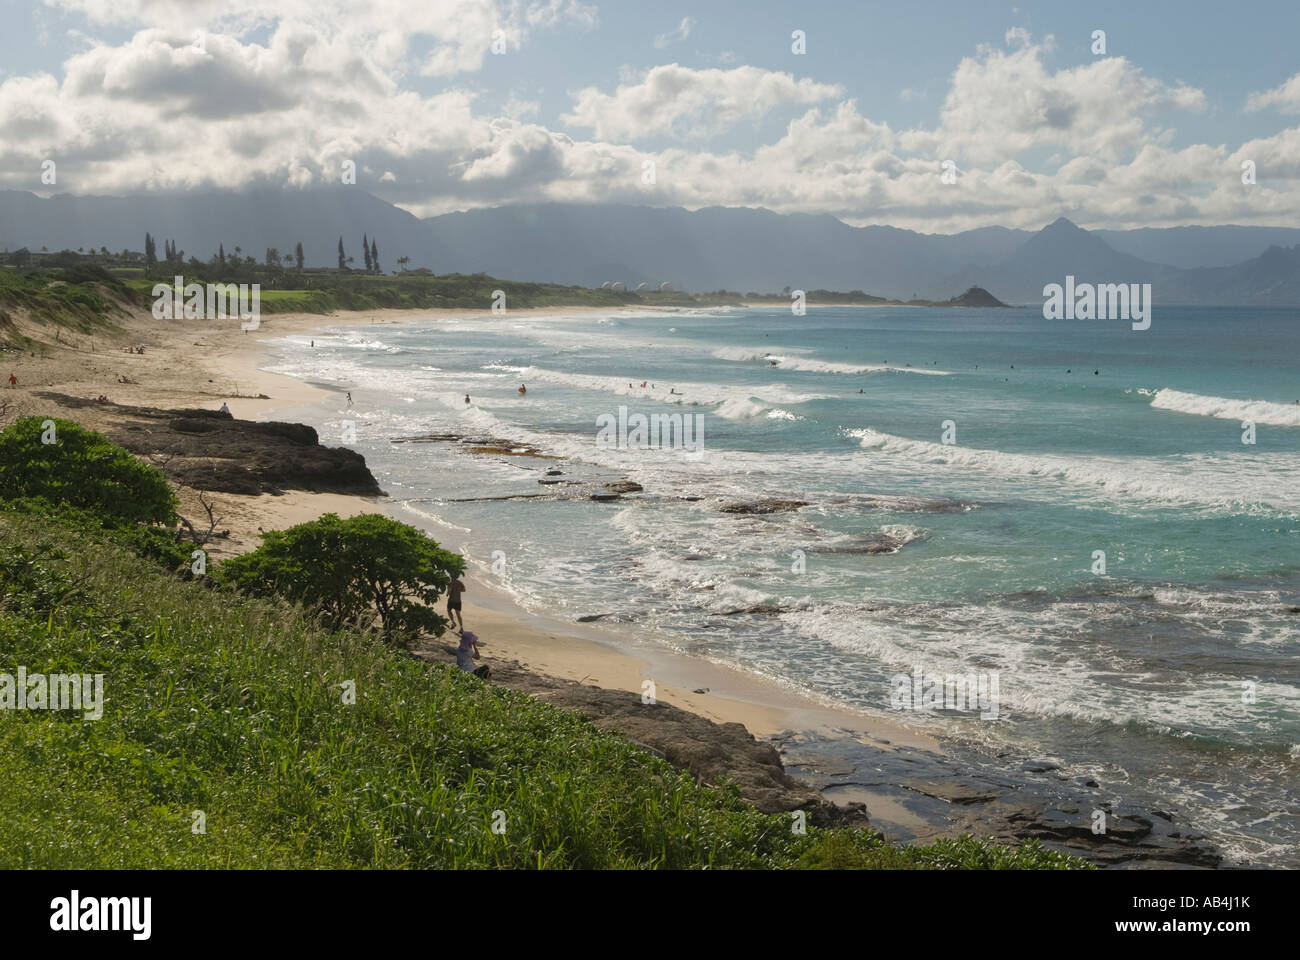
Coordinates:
(83, 469)
(159, 544)
(236, 707)
(353, 571)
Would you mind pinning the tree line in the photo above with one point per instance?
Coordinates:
(174, 258)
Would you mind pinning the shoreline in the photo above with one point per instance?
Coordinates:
(913, 788)
(561, 649)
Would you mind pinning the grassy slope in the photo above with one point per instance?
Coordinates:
(234, 707)
(77, 298)
(324, 292)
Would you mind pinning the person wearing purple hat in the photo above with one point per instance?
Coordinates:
(467, 653)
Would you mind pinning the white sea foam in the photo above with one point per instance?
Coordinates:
(812, 365)
(686, 393)
(1209, 481)
(740, 408)
(1225, 408)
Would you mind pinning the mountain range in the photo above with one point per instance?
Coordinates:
(713, 248)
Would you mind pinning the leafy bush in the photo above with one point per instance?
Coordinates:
(861, 850)
(353, 571)
(83, 469)
(159, 544)
(235, 706)
(29, 583)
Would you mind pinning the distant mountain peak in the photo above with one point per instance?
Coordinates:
(1063, 225)
(976, 297)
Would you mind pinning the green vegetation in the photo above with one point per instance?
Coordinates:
(296, 742)
(62, 462)
(324, 291)
(352, 571)
(855, 850)
(238, 707)
(81, 298)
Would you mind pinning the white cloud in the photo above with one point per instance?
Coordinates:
(1285, 97)
(680, 33)
(1004, 103)
(459, 32)
(286, 105)
(677, 101)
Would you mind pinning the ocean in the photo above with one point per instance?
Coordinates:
(1070, 508)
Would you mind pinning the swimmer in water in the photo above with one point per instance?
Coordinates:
(522, 389)
(467, 398)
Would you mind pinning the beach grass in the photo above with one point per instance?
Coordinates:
(325, 291)
(82, 299)
(294, 746)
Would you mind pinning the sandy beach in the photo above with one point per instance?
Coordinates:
(204, 364)
(717, 721)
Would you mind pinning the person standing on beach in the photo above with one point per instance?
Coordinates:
(454, 590)
(13, 380)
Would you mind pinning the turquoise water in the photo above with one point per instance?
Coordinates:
(1172, 677)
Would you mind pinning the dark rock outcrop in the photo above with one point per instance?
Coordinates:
(210, 450)
(758, 507)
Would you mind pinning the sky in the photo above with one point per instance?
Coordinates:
(445, 106)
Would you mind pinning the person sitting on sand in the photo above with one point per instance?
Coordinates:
(467, 653)
(454, 590)
(225, 408)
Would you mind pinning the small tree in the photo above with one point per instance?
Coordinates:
(81, 468)
(356, 571)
